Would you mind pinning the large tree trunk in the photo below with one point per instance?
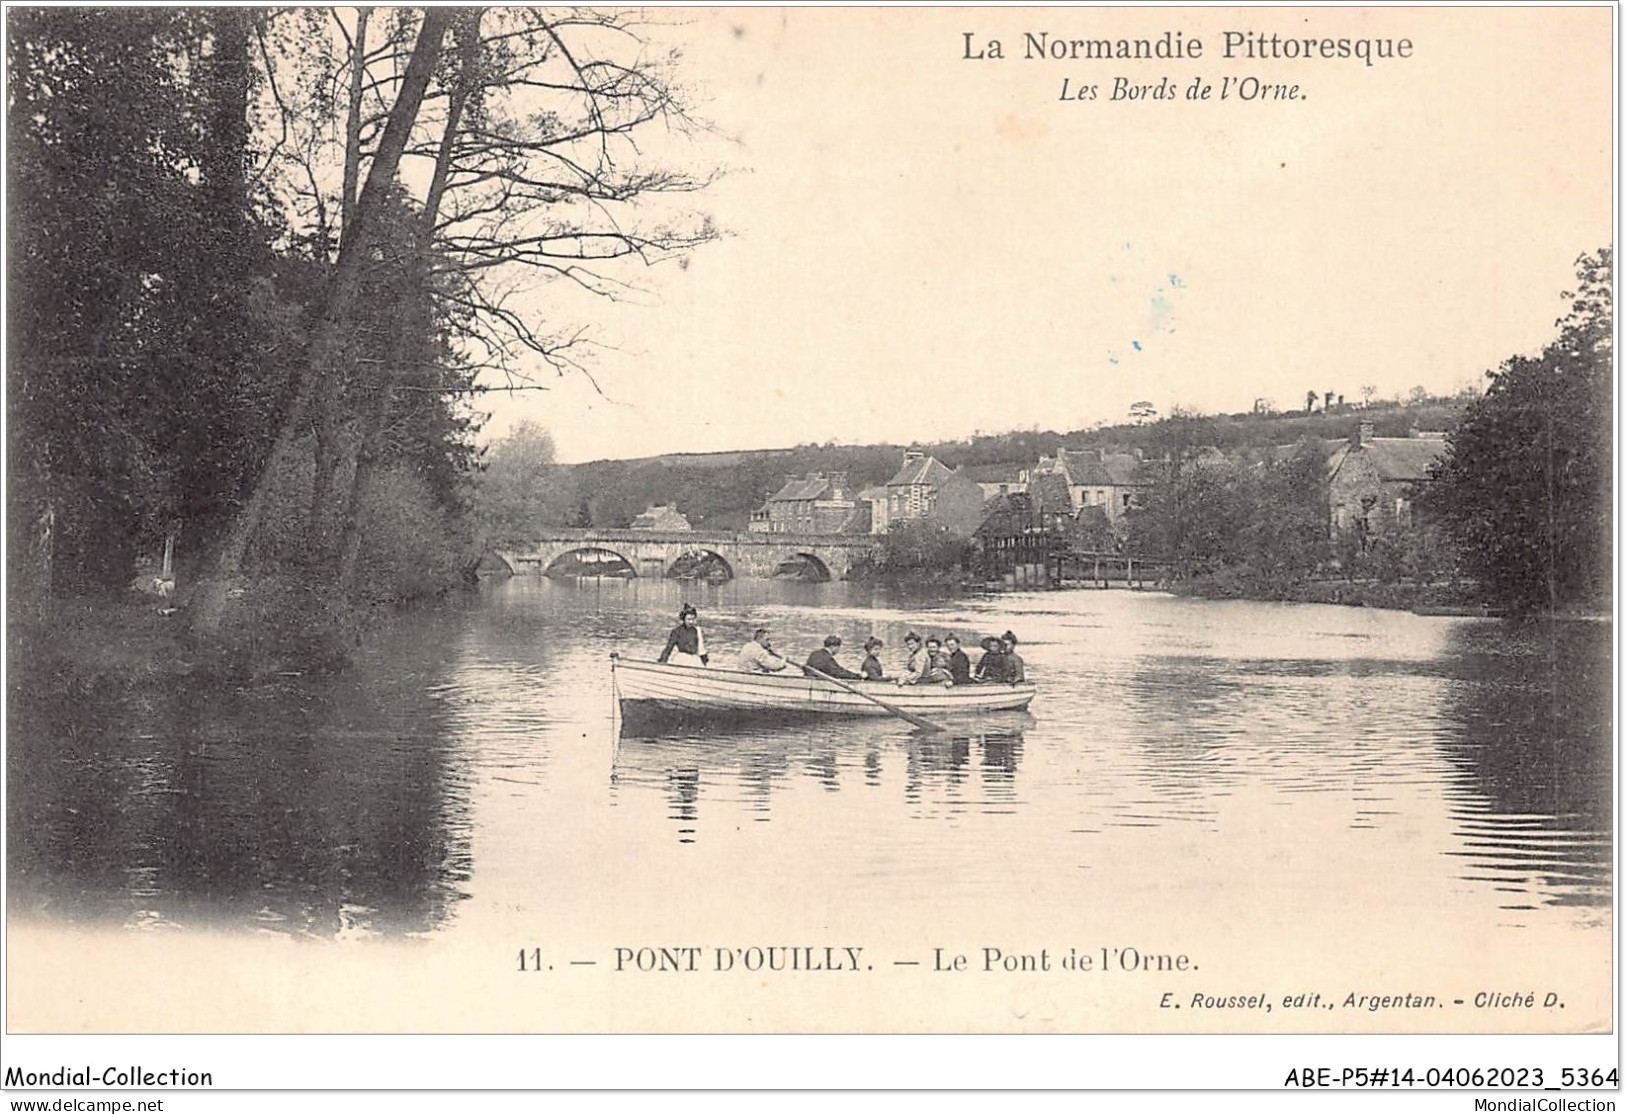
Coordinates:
(209, 606)
(327, 449)
(417, 313)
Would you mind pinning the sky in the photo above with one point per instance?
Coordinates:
(920, 245)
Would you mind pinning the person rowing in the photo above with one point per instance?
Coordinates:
(758, 656)
(823, 660)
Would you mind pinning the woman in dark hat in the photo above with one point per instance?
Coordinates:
(1015, 670)
(991, 665)
(686, 643)
(871, 668)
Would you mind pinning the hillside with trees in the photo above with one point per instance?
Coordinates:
(717, 491)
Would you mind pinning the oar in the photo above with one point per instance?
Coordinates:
(918, 721)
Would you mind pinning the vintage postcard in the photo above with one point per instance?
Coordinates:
(1090, 522)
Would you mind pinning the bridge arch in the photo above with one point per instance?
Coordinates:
(810, 566)
(493, 563)
(590, 560)
(700, 562)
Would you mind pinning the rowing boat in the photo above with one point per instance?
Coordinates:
(645, 688)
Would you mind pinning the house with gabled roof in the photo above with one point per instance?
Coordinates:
(817, 503)
(925, 488)
(1372, 481)
(1114, 482)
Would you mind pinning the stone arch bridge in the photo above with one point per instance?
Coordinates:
(654, 552)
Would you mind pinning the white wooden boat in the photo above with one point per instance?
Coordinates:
(649, 688)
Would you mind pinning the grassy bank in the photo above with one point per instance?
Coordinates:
(121, 643)
(1445, 598)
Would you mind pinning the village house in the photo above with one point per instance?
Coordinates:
(1051, 502)
(1111, 481)
(815, 504)
(998, 479)
(875, 499)
(925, 488)
(1371, 480)
(662, 518)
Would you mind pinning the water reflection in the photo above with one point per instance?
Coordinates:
(1533, 800)
(475, 754)
(748, 766)
(323, 808)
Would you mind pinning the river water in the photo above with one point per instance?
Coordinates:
(1332, 799)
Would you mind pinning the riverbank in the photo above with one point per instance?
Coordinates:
(1423, 599)
(1441, 598)
(120, 644)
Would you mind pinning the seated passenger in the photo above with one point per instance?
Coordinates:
(686, 644)
(824, 661)
(958, 662)
(918, 660)
(1015, 670)
(758, 655)
(933, 666)
(991, 665)
(871, 668)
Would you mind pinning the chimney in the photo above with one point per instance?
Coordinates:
(837, 483)
(912, 455)
(1367, 431)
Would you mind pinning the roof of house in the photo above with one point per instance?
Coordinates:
(1010, 513)
(661, 515)
(921, 470)
(994, 473)
(1050, 493)
(1398, 459)
(1123, 468)
(1089, 470)
(1093, 467)
(799, 488)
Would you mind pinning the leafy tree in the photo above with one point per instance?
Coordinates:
(327, 337)
(1525, 488)
(1284, 536)
(917, 548)
(146, 341)
(520, 487)
(529, 123)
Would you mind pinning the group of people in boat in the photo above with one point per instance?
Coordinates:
(930, 661)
